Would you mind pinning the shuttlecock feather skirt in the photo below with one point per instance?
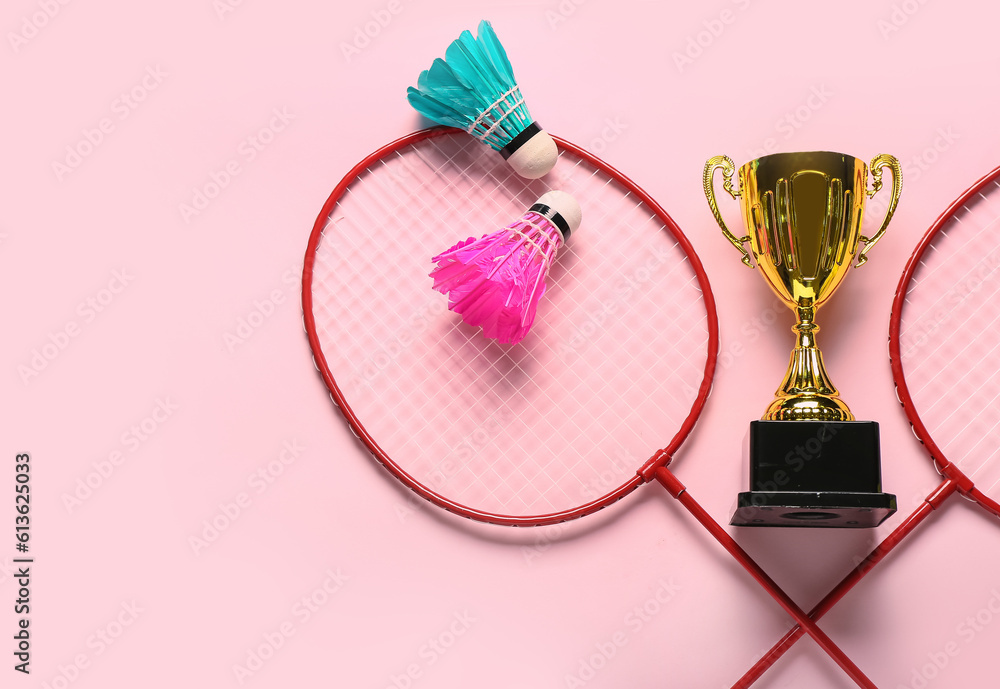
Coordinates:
(496, 281)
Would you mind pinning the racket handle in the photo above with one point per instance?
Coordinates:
(726, 163)
(931, 503)
(878, 163)
(677, 490)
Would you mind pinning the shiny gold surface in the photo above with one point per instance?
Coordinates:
(804, 212)
(727, 166)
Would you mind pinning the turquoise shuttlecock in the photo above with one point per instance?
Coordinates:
(474, 89)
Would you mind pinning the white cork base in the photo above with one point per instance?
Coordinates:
(536, 157)
(565, 205)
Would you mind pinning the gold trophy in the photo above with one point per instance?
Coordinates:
(811, 462)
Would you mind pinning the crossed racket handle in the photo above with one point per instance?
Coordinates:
(954, 481)
(805, 623)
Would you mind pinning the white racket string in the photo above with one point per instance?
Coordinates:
(951, 329)
(610, 371)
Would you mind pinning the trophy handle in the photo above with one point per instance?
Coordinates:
(879, 162)
(726, 163)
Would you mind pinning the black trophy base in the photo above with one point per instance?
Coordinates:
(828, 510)
(814, 474)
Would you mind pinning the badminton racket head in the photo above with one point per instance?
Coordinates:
(606, 385)
(944, 342)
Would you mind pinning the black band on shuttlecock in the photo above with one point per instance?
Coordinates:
(519, 140)
(552, 216)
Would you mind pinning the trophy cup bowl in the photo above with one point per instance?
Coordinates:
(811, 462)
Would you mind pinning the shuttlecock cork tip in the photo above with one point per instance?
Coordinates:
(534, 157)
(562, 209)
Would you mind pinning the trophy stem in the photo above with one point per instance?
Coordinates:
(806, 393)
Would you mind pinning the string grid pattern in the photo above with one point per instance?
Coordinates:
(950, 339)
(608, 373)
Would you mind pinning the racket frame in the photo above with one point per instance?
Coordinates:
(644, 474)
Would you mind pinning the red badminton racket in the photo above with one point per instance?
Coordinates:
(560, 425)
(944, 347)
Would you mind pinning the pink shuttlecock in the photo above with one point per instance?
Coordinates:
(497, 280)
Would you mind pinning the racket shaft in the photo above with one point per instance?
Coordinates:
(847, 583)
(677, 490)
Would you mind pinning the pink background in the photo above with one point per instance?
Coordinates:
(328, 559)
